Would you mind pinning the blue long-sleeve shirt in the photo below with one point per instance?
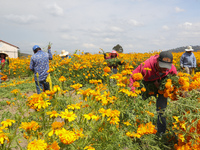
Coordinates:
(40, 64)
(188, 60)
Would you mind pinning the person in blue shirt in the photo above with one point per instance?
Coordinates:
(188, 60)
(40, 64)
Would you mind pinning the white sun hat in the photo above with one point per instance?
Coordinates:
(189, 48)
(64, 53)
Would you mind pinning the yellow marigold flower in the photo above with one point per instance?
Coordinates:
(137, 76)
(89, 148)
(29, 126)
(148, 69)
(37, 145)
(15, 91)
(106, 69)
(127, 123)
(88, 116)
(3, 137)
(53, 114)
(7, 123)
(76, 86)
(68, 115)
(66, 136)
(56, 88)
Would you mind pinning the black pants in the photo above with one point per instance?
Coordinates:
(161, 104)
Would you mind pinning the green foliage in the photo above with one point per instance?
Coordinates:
(118, 48)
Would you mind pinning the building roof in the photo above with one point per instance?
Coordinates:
(9, 44)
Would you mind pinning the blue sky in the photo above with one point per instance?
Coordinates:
(88, 25)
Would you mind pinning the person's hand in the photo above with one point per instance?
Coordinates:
(49, 47)
(156, 83)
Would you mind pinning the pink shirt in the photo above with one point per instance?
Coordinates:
(152, 75)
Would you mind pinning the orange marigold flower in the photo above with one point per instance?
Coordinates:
(62, 79)
(137, 76)
(106, 69)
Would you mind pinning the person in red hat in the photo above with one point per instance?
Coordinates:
(113, 66)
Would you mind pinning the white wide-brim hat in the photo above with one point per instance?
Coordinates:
(64, 53)
(189, 48)
(2, 52)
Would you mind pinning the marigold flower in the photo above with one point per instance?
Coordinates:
(66, 137)
(37, 145)
(3, 138)
(53, 146)
(28, 126)
(53, 114)
(106, 69)
(68, 115)
(137, 76)
(62, 79)
(7, 123)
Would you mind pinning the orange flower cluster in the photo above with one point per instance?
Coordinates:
(148, 128)
(170, 90)
(187, 141)
(36, 101)
(62, 79)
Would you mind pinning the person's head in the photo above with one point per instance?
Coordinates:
(164, 61)
(113, 54)
(189, 49)
(3, 55)
(64, 54)
(36, 48)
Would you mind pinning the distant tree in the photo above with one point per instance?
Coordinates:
(118, 48)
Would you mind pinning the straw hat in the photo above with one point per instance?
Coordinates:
(64, 53)
(189, 48)
(2, 52)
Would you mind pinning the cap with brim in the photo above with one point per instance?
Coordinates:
(165, 65)
(64, 53)
(165, 59)
(4, 53)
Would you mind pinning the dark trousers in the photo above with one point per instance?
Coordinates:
(43, 85)
(161, 104)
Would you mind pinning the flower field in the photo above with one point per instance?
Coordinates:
(90, 108)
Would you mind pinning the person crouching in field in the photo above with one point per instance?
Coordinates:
(40, 64)
(159, 67)
(188, 60)
(113, 61)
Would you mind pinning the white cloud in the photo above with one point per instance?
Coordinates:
(21, 18)
(89, 45)
(109, 40)
(55, 10)
(186, 25)
(68, 37)
(134, 22)
(165, 27)
(179, 9)
(116, 29)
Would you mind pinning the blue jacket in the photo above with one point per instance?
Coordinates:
(188, 60)
(40, 64)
